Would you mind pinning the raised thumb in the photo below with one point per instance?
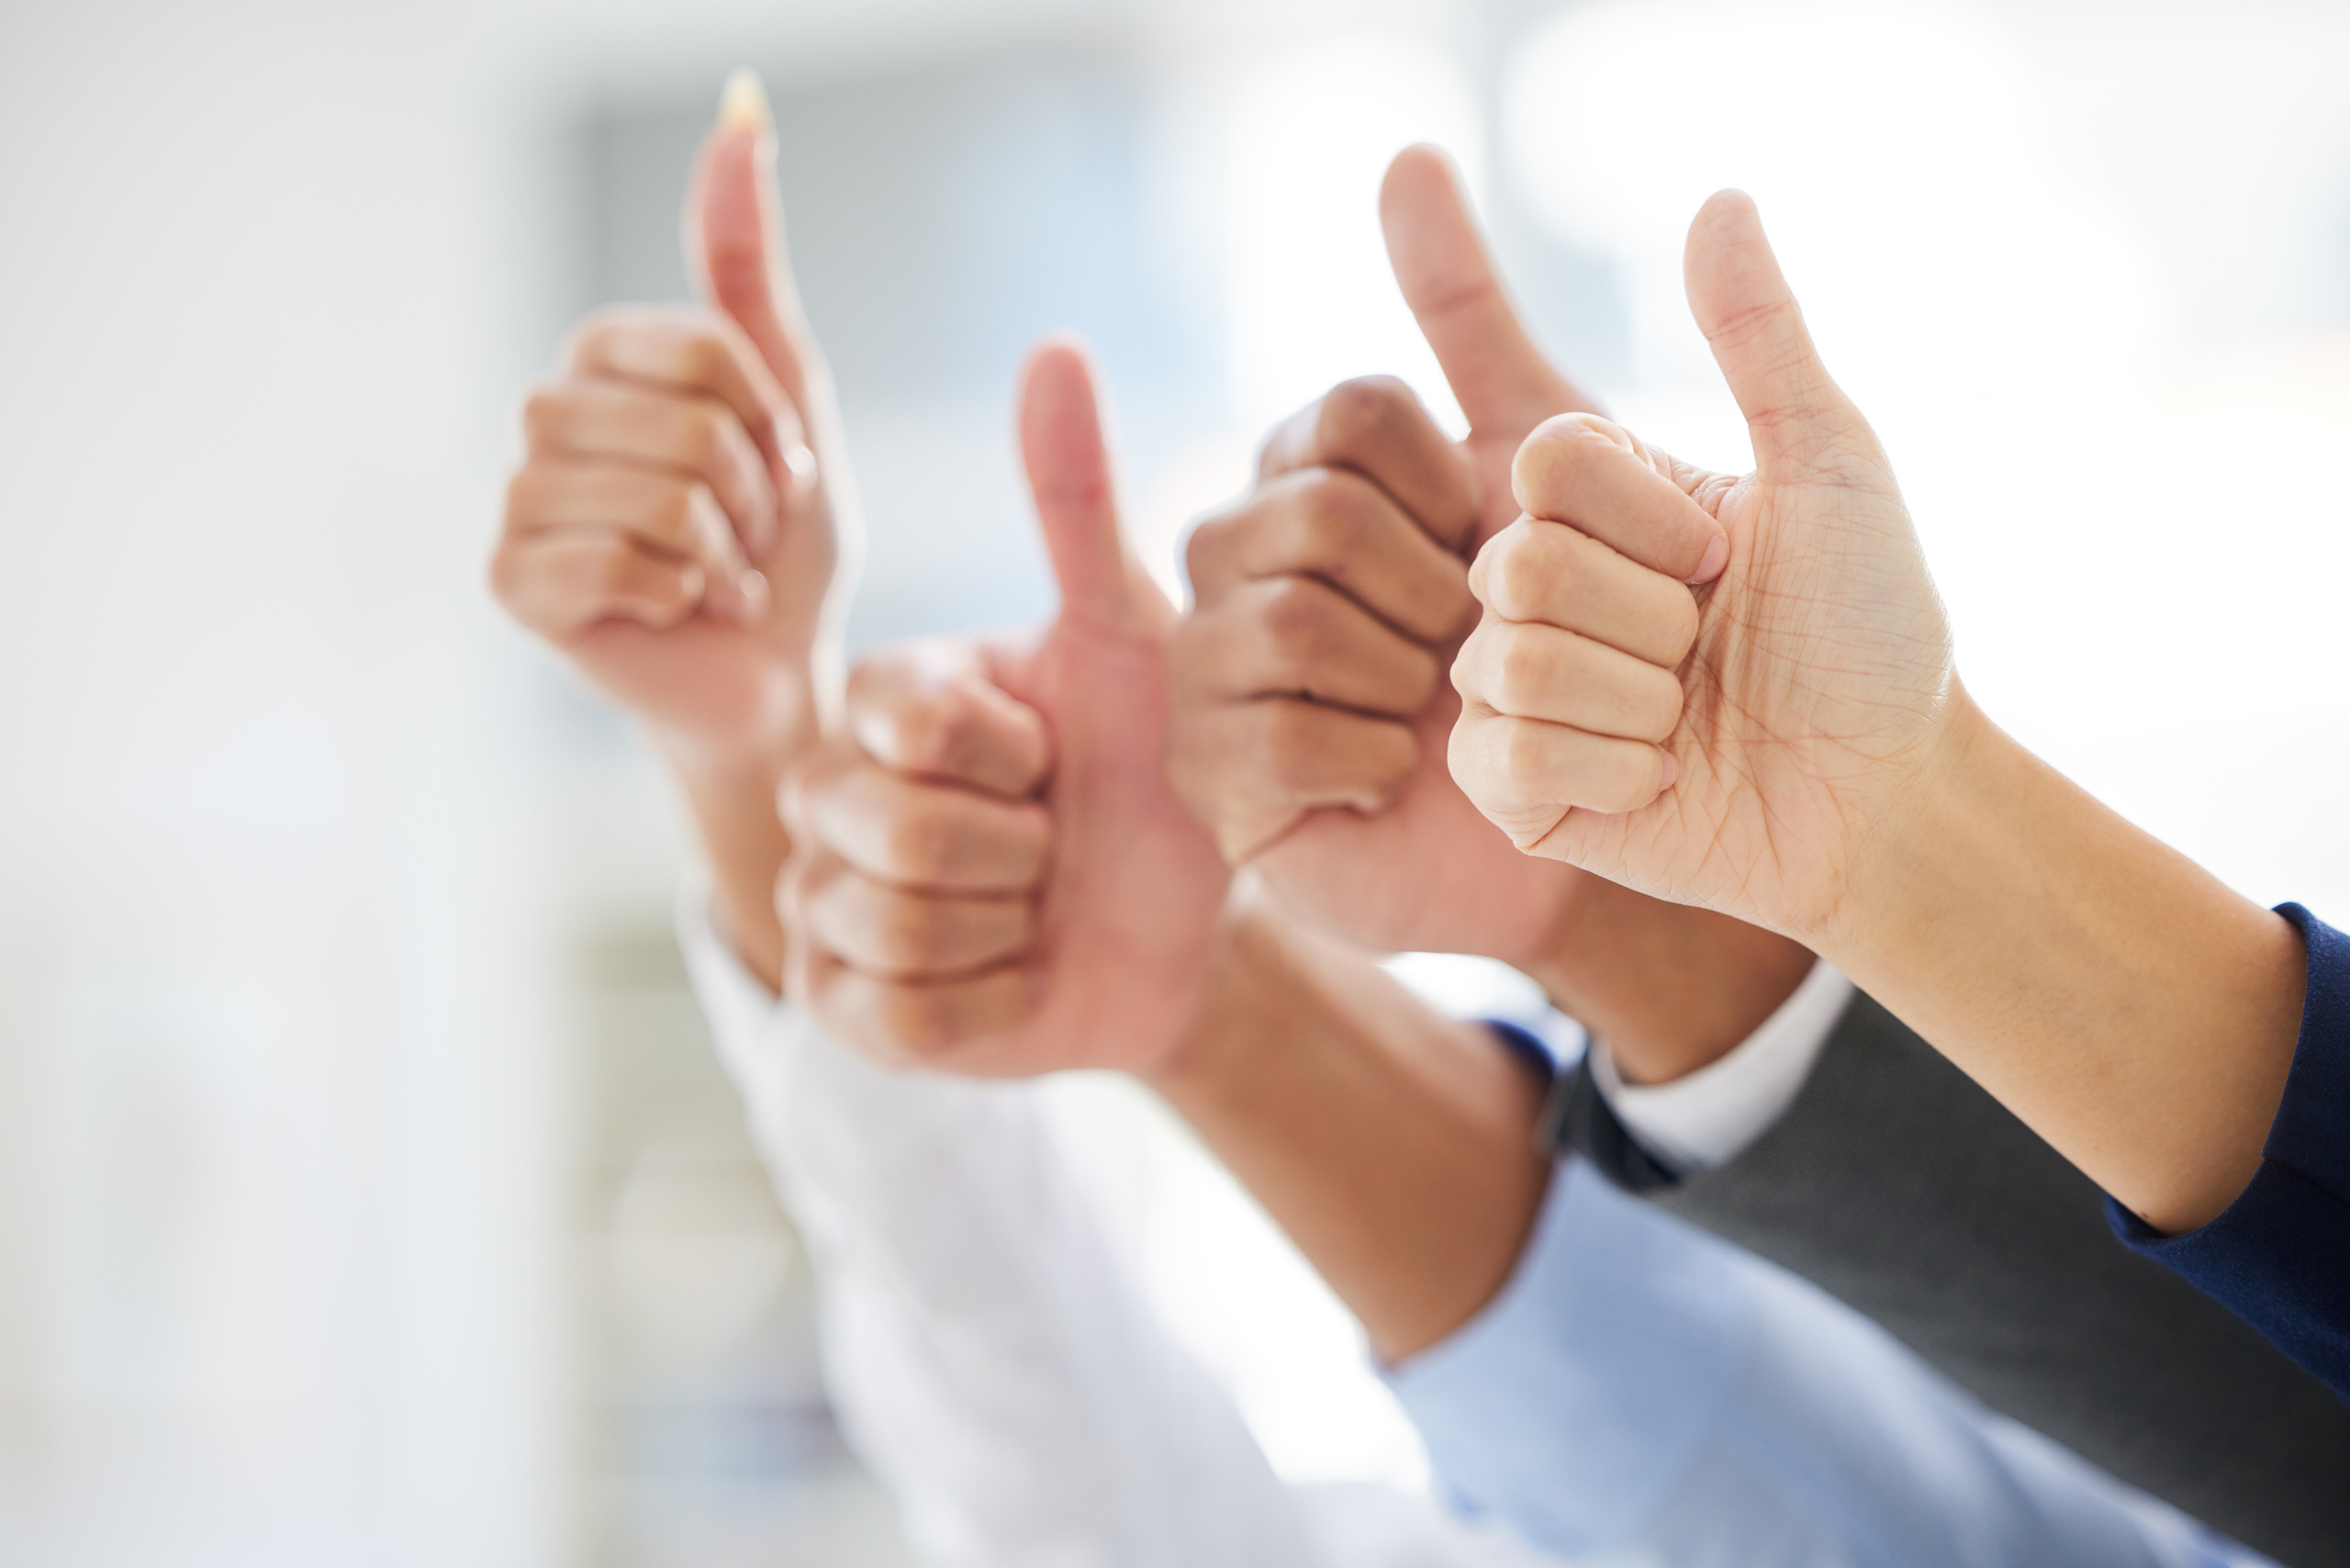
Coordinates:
(1068, 460)
(734, 235)
(1744, 306)
(1504, 384)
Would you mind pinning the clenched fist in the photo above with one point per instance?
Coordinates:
(1730, 747)
(990, 874)
(677, 527)
(1310, 708)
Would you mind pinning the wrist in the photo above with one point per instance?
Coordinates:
(2129, 1006)
(1242, 1004)
(730, 794)
(755, 746)
(1953, 815)
(1670, 988)
(1394, 1145)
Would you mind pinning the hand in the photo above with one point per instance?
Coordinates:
(1309, 707)
(1734, 749)
(678, 526)
(992, 876)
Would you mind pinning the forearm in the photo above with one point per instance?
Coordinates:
(733, 799)
(2137, 1012)
(1670, 988)
(1395, 1147)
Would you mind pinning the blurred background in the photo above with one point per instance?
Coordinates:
(368, 1193)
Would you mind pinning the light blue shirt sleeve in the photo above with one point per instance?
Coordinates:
(1643, 1392)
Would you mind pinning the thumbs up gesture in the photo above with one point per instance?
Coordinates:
(991, 875)
(678, 526)
(1310, 705)
(1730, 745)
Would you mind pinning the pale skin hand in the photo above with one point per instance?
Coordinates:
(1395, 1147)
(931, 922)
(1828, 778)
(1309, 709)
(993, 878)
(679, 525)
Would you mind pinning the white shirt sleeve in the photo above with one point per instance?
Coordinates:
(988, 1356)
(1707, 1118)
(1641, 1396)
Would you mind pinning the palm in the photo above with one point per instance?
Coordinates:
(1823, 660)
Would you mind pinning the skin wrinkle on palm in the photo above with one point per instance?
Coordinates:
(1853, 802)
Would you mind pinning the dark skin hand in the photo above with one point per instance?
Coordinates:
(1310, 709)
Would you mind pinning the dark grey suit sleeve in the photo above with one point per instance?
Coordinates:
(1899, 1185)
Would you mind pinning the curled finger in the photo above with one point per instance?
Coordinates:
(1596, 476)
(688, 434)
(1534, 671)
(1299, 637)
(558, 583)
(1526, 774)
(1334, 525)
(1250, 771)
(902, 933)
(1535, 570)
(668, 512)
(913, 1023)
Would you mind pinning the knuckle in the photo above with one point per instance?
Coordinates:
(1548, 461)
(1295, 623)
(1663, 710)
(915, 844)
(707, 351)
(671, 509)
(1212, 539)
(1525, 571)
(681, 509)
(931, 730)
(1335, 515)
(616, 572)
(591, 340)
(702, 436)
(521, 496)
(907, 930)
(1360, 409)
(1523, 759)
(544, 413)
(1522, 670)
(1467, 679)
(1679, 623)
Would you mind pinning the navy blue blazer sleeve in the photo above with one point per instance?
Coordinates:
(2279, 1256)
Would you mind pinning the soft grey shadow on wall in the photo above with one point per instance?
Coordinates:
(939, 221)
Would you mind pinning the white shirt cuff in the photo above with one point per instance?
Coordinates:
(1706, 1118)
(739, 1003)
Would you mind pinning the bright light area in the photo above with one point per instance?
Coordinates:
(332, 916)
(1309, 300)
(2116, 476)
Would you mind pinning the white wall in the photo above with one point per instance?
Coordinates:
(273, 1042)
(286, 847)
